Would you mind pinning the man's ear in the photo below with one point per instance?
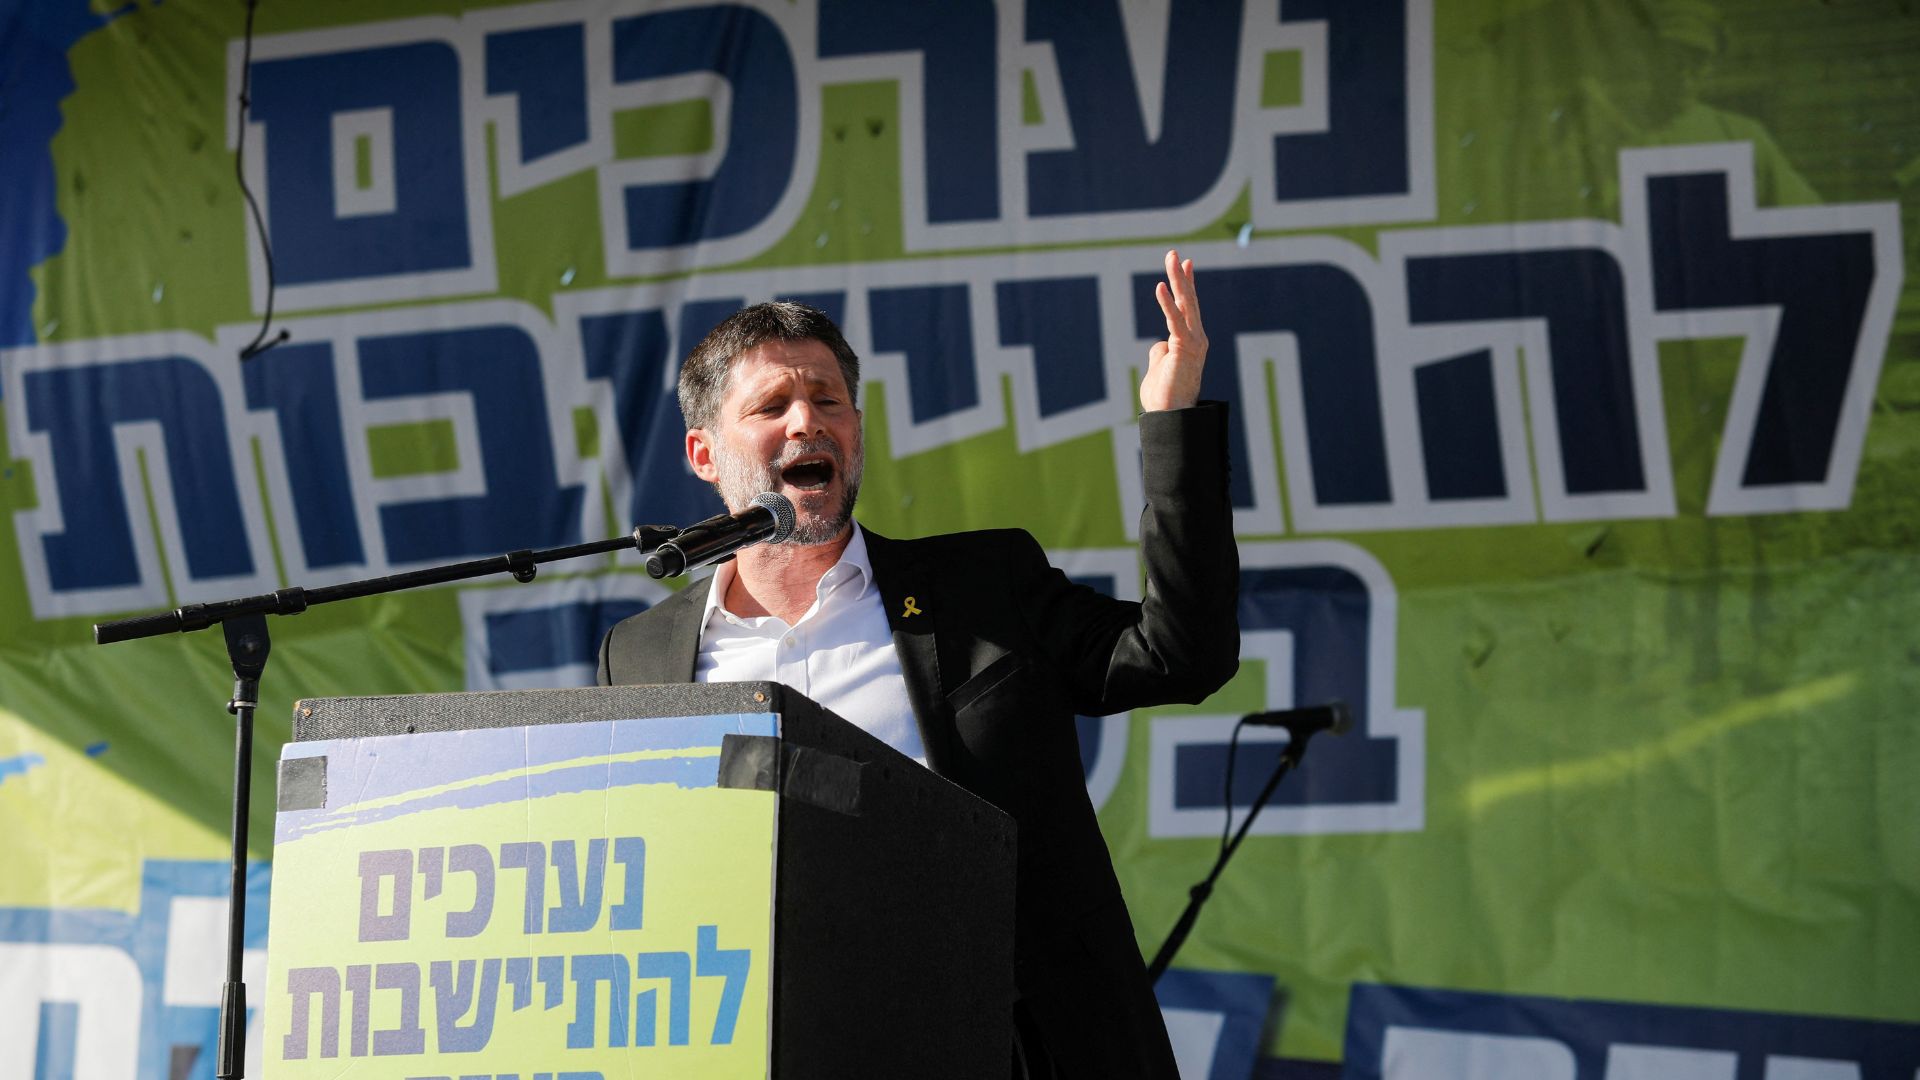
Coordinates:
(700, 455)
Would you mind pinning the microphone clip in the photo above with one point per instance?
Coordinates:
(648, 537)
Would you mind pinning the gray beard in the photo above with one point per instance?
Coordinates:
(741, 478)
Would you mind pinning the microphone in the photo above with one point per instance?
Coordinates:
(1332, 717)
(768, 517)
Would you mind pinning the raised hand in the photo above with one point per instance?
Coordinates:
(1174, 365)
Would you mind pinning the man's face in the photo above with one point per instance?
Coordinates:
(787, 424)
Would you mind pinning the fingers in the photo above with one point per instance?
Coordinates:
(1176, 322)
(1189, 296)
(1179, 301)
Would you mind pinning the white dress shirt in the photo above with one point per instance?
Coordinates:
(840, 653)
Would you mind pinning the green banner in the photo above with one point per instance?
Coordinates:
(1575, 374)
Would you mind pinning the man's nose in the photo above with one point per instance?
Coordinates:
(804, 421)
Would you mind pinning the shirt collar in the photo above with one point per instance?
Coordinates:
(853, 560)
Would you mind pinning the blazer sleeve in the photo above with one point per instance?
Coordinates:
(1182, 641)
(602, 668)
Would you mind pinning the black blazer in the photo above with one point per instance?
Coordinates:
(1000, 651)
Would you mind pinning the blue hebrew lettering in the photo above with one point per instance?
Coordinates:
(472, 859)
(409, 1037)
(931, 324)
(1364, 150)
(1215, 1016)
(360, 993)
(1119, 161)
(431, 866)
(1581, 294)
(57, 1041)
(579, 906)
(1331, 318)
(632, 350)
(452, 998)
(1328, 610)
(302, 101)
(1821, 284)
(303, 985)
(1059, 318)
(1466, 1035)
(697, 317)
(545, 69)
(139, 992)
(750, 52)
(833, 303)
(677, 969)
(530, 856)
(552, 973)
(553, 637)
(958, 87)
(39, 79)
(524, 506)
(78, 408)
(1319, 619)
(588, 973)
(376, 867)
(105, 942)
(631, 853)
(181, 928)
(519, 975)
(731, 965)
(1460, 427)
(297, 382)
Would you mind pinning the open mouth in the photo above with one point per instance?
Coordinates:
(812, 475)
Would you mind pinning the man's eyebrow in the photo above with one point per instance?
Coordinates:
(754, 396)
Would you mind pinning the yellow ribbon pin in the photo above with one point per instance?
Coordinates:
(912, 609)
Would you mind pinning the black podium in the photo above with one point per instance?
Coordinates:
(891, 901)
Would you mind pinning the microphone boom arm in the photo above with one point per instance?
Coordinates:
(523, 565)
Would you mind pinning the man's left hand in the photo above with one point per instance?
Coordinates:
(1174, 365)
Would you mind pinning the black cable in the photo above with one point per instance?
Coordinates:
(1226, 798)
(259, 344)
(1230, 839)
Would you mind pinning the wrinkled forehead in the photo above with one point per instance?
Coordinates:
(773, 365)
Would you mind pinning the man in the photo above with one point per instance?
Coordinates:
(968, 651)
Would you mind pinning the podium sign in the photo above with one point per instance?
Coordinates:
(529, 901)
(699, 880)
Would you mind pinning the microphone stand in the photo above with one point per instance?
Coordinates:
(1298, 735)
(244, 621)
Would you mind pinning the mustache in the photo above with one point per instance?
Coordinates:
(795, 450)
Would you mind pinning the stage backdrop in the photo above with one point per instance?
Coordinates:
(1575, 380)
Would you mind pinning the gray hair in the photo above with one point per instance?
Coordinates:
(703, 377)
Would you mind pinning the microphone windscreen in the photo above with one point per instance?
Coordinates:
(782, 510)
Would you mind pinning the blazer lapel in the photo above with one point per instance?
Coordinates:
(672, 659)
(909, 590)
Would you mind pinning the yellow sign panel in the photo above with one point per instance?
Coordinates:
(569, 899)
